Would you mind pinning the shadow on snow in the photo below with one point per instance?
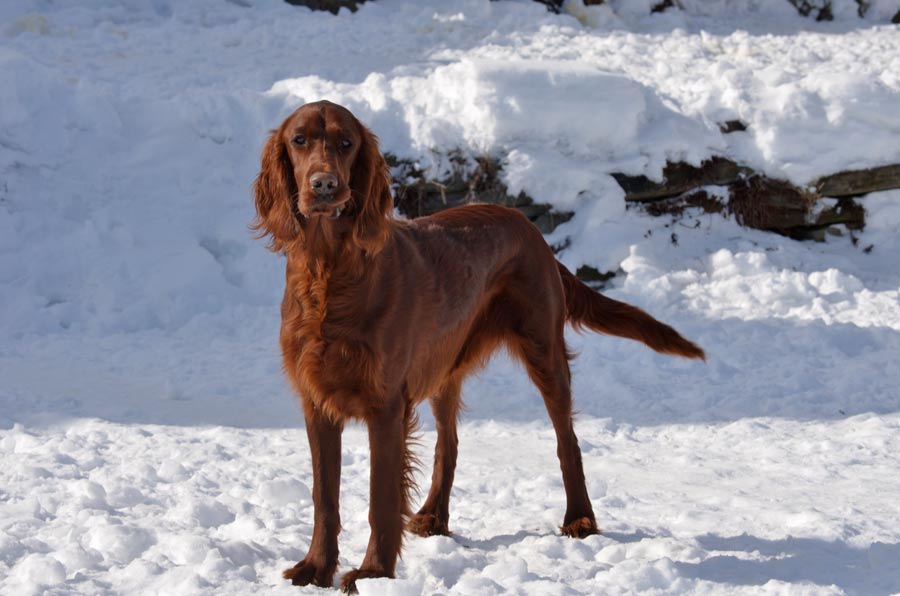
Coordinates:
(752, 561)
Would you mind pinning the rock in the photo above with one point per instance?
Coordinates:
(677, 206)
(758, 201)
(332, 6)
(593, 277)
(847, 212)
(467, 183)
(770, 204)
(730, 126)
(679, 178)
(552, 5)
(778, 206)
(820, 8)
(858, 182)
(662, 6)
(755, 200)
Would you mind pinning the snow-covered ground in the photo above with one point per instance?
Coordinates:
(148, 443)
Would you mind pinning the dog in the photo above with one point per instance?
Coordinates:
(380, 314)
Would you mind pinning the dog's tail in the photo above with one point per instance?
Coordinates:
(587, 308)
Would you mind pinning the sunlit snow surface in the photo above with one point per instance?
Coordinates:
(149, 444)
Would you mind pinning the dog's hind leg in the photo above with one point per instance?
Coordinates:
(541, 346)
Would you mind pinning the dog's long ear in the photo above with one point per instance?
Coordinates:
(370, 187)
(276, 194)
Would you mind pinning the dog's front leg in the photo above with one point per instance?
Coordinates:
(388, 433)
(320, 563)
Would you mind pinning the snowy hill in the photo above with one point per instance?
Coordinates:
(148, 443)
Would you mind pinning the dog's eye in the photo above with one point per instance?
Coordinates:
(299, 140)
(346, 143)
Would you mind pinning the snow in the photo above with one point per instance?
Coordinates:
(148, 443)
(686, 508)
(747, 286)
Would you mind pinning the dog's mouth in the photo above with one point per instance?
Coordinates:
(327, 211)
(331, 207)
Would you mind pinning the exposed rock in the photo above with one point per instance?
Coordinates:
(847, 212)
(678, 205)
(332, 6)
(755, 200)
(820, 8)
(770, 204)
(662, 6)
(858, 182)
(594, 277)
(730, 126)
(552, 5)
(556, 5)
(418, 195)
(679, 178)
(766, 204)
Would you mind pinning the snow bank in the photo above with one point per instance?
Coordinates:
(536, 113)
(565, 107)
(749, 286)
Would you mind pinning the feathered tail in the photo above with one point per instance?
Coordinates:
(587, 308)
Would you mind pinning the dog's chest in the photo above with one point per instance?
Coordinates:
(328, 356)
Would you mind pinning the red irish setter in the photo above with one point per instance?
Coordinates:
(380, 314)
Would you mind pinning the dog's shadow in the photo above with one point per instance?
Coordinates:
(497, 542)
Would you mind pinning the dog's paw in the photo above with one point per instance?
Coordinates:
(580, 528)
(305, 573)
(427, 524)
(348, 582)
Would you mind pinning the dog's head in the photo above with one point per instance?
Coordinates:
(322, 163)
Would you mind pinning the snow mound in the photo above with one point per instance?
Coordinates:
(538, 113)
(748, 286)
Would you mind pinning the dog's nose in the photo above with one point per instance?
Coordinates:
(323, 183)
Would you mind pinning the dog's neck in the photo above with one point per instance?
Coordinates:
(325, 263)
(326, 247)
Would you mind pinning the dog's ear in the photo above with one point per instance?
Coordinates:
(370, 187)
(275, 191)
